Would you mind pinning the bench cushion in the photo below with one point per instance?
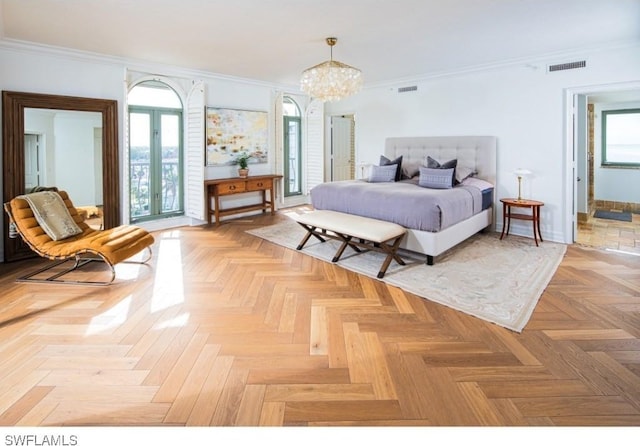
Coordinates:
(376, 231)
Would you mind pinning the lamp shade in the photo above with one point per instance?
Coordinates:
(522, 172)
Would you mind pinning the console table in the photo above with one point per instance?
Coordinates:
(230, 186)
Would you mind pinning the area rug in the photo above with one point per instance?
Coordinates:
(609, 215)
(499, 281)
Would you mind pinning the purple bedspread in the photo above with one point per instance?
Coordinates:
(403, 202)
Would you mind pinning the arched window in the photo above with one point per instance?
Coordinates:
(155, 152)
(292, 147)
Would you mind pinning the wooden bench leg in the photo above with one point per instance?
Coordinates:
(392, 254)
(346, 239)
(311, 230)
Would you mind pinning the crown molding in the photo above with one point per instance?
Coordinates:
(531, 62)
(128, 63)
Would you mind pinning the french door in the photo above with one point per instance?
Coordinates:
(155, 163)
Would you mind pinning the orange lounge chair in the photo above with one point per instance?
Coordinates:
(111, 246)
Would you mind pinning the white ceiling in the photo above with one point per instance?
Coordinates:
(274, 40)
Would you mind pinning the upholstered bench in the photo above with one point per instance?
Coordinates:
(354, 231)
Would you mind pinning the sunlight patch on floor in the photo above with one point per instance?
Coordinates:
(178, 321)
(168, 288)
(110, 319)
(128, 271)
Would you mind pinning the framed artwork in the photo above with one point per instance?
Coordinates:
(231, 133)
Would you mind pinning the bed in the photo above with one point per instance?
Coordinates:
(452, 216)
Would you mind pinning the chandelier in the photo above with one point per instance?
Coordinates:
(331, 80)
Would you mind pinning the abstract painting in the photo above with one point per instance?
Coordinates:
(231, 133)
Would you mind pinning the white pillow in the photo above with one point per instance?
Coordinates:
(477, 182)
(410, 169)
(462, 173)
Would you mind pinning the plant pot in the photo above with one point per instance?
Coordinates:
(243, 173)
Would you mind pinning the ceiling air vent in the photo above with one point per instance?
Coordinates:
(567, 66)
(405, 89)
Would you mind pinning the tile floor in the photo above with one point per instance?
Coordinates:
(611, 234)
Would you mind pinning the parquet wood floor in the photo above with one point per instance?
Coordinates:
(225, 329)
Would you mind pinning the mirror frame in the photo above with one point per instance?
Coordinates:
(13, 105)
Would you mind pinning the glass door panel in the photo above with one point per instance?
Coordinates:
(140, 164)
(170, 161)
(293, 162)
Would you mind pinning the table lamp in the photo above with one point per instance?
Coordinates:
(364, 169)
(519, 172)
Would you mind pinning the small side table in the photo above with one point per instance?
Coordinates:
(507, 215)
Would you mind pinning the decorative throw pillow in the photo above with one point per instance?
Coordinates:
(384, 161)
(52, 214)
(410, 169)
(383, 174)
(436, 178)
(462, 173)
(477, 182)
(451, 164)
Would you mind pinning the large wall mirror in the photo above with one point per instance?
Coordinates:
(62, 141)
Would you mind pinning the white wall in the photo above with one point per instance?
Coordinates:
(611, 183)
(521, 104)
(36, 70)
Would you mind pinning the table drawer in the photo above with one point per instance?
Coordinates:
(258, 184)
(231, 188)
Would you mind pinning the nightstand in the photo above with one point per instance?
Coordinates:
(507, 215)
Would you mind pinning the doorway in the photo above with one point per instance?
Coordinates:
(31, 161)
(596, 186)
(342, 148)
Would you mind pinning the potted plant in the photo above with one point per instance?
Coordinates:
(243, 164)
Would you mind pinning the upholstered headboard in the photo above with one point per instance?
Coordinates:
(474, 152)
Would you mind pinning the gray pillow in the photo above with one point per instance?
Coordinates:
(384, 161)
(436, 178)
(451, 164)
(383, 174)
